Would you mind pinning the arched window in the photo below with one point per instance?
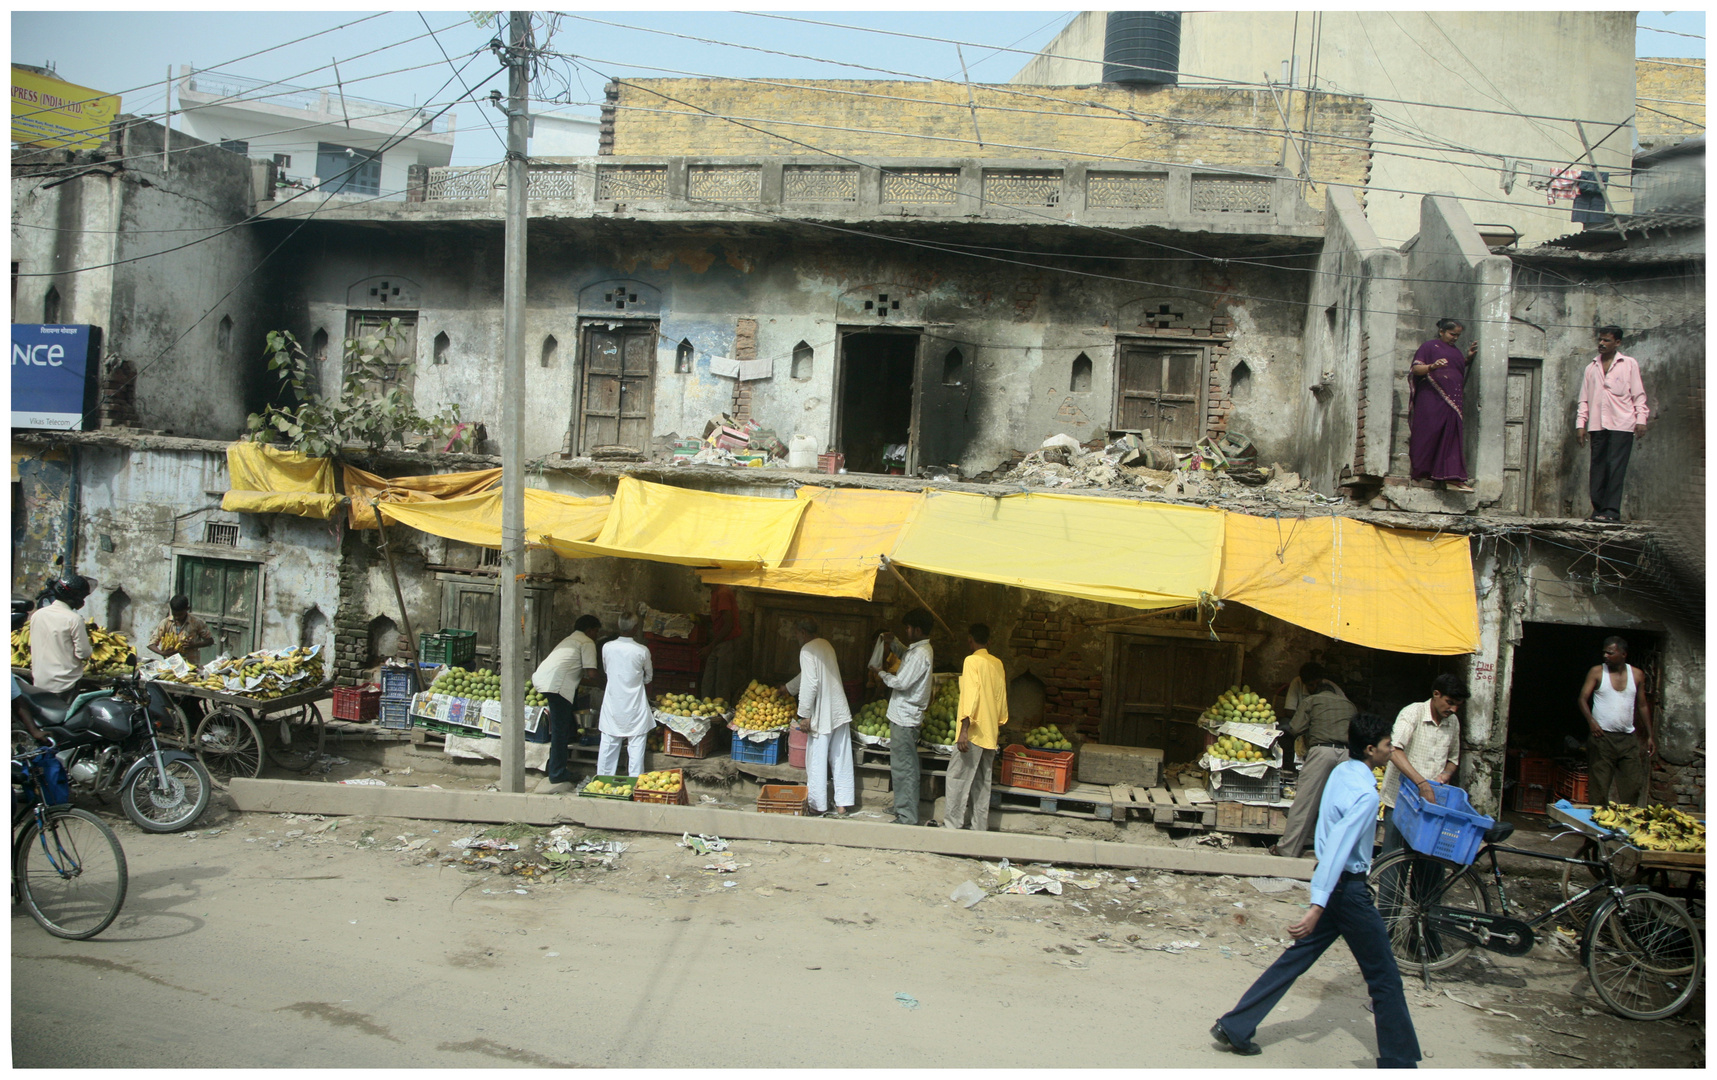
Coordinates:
(953, 368)
(803, 357)
(119, 611)
(1240, 381)
(319, 345)
(683, 356)
(1081, 379)
(51, 305)
(224, 336)
(550, 348)
(442, 342)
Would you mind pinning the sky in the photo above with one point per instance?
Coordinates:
(130, 52)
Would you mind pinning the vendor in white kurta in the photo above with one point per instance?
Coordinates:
(625, 703)
(824, 714)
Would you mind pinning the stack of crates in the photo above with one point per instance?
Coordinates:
(397, 689)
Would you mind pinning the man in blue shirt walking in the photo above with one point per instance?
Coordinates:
(1341, 907)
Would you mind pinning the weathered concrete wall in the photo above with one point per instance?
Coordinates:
(141, 510)
(1346, 379)
(181, 300)
(1214, 127)
(1661, 309)
(1019, 330)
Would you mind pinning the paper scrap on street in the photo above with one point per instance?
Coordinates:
(1275, 884)
(702, 844)
(475, 843)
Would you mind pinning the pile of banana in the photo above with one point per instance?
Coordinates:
(1654, 828)
(110, 652)
(264, 674)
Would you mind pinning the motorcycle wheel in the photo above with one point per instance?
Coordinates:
(167, 805)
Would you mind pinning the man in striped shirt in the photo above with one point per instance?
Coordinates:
(1341, 907)
(1612, 414)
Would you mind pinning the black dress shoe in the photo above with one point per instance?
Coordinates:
(1244, 1049)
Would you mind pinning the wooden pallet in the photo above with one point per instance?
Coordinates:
(1169, 807)
(1089, 801)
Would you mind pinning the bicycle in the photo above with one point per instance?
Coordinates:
(68, 868)
(1643, 951)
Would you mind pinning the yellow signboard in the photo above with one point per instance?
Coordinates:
(51, 113)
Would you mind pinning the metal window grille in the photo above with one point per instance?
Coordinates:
(218, 533)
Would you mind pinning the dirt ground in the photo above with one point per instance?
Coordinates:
(291, 941)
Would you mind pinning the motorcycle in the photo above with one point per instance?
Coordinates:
(109, 742)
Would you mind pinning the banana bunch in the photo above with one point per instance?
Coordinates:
(1654, 828)
(109, 651)
(171, 641)
(21, 646)
(265, 673)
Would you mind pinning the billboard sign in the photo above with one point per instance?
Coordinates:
(53, 375)
(49, 112)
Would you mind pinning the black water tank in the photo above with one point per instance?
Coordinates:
(1142, 47)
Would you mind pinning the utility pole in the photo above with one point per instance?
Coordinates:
(513, 411)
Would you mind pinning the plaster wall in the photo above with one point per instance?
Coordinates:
(1018, 330)
(1661, 308)
(1457, 64)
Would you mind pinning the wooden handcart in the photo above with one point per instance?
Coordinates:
(236, 731)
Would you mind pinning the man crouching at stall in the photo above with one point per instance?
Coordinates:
(1341, 906)
(825, 716)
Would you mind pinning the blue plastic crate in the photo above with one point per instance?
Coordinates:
(1447, 829)
(395, 715)
(397, 684)
(773, 752)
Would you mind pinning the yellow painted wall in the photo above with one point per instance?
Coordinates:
(1668, 86)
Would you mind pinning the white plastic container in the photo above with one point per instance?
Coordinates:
(802, 452)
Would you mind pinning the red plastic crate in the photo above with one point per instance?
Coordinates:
(830, 462)
(1537, 770)
(1571, 784)
(1528, 798)
(673, 654)
(1039, 770)
(675, 745)
(357, 702)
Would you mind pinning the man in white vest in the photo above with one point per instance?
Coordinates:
(1612, 700)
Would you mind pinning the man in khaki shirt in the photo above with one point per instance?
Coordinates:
(983, 711)
(181, 633)
(1427, 740)
(1322, 718)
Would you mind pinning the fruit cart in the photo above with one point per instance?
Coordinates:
(237, 730)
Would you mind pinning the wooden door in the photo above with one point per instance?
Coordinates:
(223, 594)
(1161, 388)
(1520, 435)
(476, 605)
(402, 362)
(618, 364)
(1158, 686)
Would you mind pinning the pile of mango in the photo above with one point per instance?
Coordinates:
(764, 708)
(666, 781)
(690, 705)
(1238, 704)
(872, 718)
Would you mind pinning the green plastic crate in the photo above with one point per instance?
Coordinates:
(448, 647)
(630, 780)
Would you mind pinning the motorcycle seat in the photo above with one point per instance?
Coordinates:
(50, 708)
(1499, 832)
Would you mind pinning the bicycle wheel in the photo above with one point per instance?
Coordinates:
(295, 737)
(1403, 884)
(1643, 954)
(71, 874)
(229, 744)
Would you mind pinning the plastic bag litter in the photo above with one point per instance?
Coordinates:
(968, 894)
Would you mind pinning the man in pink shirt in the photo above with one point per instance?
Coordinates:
(1613, 412)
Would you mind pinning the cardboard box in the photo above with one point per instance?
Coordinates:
(1140, 766)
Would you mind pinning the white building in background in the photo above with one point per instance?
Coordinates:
(320, 138)
(564, 134)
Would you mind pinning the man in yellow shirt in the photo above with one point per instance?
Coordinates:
(983, 711)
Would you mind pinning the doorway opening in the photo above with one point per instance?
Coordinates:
(878, 381)
(1550, 666)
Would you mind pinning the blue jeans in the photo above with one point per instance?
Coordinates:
(563, 727)
(1349, 915)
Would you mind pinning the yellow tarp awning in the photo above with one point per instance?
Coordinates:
(1394, 589)
(476, 519)
(692, 528)
(1114, 551)
(265, 480)
(363, 488)
(838, 547)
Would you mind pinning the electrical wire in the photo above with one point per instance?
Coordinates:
(389, 144)
(1661, 30)
(468, 91)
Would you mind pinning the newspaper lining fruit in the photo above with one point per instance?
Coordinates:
(263, 674)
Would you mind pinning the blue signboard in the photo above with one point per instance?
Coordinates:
(53, 369)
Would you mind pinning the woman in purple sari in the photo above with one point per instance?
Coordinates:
(1435, 395)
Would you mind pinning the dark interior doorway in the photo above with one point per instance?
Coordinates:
(877, 375)
(1550, 666)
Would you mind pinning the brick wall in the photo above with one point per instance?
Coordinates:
(1048, 640)
(1679, 785)
(1668, 85)
(351, 620)
(744, 348)
(1359, 432)
(1219, 127)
